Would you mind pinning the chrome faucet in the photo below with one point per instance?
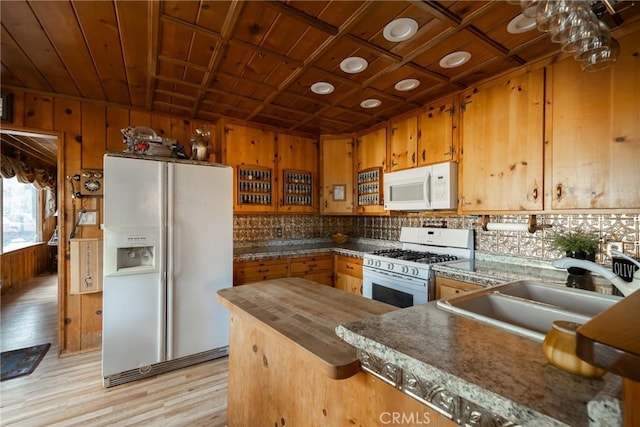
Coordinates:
(623, 286)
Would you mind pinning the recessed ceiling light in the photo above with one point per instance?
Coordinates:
(455, 59)
(322, 88)
(400, 29)
(353, 65)
(407, 84)
(370, 103)
(521, 24)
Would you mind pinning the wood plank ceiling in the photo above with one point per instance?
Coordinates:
(256, 60)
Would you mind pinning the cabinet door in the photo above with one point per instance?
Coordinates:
(404, 143)
(348, 283)
(438, 136)
(372, 156)
(251, 151)
(448, 287)
(348, 273)
(596, 133)
(298, 174)
(336, 159)
(502, 144)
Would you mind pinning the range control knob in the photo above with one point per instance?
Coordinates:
(378, 263)
(390, 266)
(405, 269)
(414, 271)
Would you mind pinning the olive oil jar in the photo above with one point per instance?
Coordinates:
(559, 347)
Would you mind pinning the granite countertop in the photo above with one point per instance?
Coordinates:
(354, 247)
(460, 363)
(489, 270)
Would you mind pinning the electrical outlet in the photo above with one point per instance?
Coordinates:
(279, 232)
(88, 218)
(615, 246)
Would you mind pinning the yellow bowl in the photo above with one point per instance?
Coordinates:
(559, 347)
(339, 238)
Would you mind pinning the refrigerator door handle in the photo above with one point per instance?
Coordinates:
(170, 288)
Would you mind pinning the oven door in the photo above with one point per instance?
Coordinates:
(394, 289)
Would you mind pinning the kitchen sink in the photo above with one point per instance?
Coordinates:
(528, 308)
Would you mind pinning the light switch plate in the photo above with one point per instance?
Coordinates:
(88, 218)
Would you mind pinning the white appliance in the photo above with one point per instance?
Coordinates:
(403, 277)
(424, 188)
(168, 249)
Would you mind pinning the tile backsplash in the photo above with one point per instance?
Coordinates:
(609, 227)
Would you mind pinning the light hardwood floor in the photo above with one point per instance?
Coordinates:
(68, 391)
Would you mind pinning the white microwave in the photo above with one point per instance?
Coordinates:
(433, 187)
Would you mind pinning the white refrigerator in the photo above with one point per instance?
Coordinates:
(168, 249)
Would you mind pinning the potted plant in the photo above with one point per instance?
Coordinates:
(579, 244)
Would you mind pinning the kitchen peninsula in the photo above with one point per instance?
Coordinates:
(287, 366)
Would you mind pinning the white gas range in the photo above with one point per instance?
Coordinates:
(403, 277)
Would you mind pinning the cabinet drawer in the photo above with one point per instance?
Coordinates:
(349, 266)
(449, 287)
(302, 266)
(256, 271)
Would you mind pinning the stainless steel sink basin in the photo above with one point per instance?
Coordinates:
(528, 308)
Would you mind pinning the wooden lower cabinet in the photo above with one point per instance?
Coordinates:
(316, 268)
(448, 287)
(348, 274)
(248, 272)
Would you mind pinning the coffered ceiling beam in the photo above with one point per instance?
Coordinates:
(183, 63)
(153, 37)
(300, 16)
(328, 44)
(228, 28)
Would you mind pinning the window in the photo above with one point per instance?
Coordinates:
(19, 214)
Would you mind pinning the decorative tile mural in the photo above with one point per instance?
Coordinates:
(609, 228)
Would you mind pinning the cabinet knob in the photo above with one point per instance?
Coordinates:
(424, 155)
(413, 157)
(535, 193)
(559, 191)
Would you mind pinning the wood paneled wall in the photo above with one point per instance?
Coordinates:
(22, 264)
(87, 130)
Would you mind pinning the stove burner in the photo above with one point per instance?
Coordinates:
(420, 257)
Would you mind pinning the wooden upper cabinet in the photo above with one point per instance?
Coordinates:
(251, 152)
(336, 159)
(371, 161)
(596, 133)
(502, 144)
(438, 124)
(404, 143)
(298, 189)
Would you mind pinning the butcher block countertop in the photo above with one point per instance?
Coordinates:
(611, 339)
(307, 313)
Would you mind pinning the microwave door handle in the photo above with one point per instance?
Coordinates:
(427, 189)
